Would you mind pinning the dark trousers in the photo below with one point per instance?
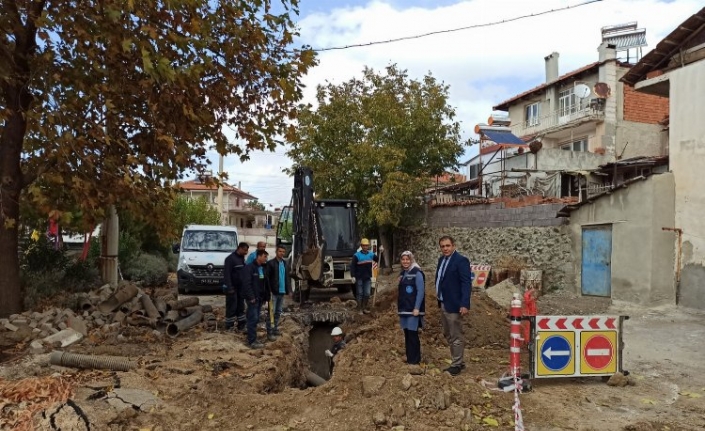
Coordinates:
(413, 347)
(253, 311)
(234, 311)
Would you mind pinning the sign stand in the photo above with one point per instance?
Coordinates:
(576, 346)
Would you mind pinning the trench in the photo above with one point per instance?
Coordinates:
(319, 340)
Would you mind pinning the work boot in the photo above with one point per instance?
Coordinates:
(360, 306)
(365, 306)
(271, 337)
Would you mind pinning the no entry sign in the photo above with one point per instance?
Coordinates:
(598, 355)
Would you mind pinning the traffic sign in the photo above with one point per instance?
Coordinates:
(555, 354)
(480, 275)
(599, 352)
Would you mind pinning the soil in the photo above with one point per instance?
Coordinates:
(212, 380)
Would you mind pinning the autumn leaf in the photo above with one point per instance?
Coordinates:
(489, 420)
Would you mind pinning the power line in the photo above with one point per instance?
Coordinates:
(432, 33)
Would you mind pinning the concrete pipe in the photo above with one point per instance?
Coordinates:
(314, 379)
(173, 329)
(172, 316)
(160, 305)
(210, 319)
(189, 310)
(178, 305)
(137, 320)
(149, 307)
(119, 317)
(130, 307)
(75, 360)
(118, 298)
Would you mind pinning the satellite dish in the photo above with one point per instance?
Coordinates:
(602, 90)
(582, 91)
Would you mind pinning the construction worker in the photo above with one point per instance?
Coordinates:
(338, 345)
(256, 292)
(234, 298)
(261, 245)
(361, 272)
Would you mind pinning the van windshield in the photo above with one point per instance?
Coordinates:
(209, 240)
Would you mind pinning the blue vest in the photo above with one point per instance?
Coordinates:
(407, 293)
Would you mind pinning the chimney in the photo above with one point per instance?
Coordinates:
(607, 51)
(551, 67)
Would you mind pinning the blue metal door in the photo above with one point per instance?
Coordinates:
(597, 257)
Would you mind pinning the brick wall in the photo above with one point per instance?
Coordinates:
(644, 108)
(499, 214)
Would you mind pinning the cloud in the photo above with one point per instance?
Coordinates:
(483, 66)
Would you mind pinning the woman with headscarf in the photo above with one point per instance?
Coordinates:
(411, 305)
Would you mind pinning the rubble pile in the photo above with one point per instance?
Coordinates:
(106, 310)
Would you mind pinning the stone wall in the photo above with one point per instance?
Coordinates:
(545, 248)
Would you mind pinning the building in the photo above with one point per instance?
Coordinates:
(551, 137)
(236, 203)
(675, 70)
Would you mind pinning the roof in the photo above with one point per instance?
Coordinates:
(504, 106)
(566, 210)
(665, 49)
(636, 161)
(195, 186)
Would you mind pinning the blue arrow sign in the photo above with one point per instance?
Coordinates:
(556, 352)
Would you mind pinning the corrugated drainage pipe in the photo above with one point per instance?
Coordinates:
(173, 329)
(113, 363)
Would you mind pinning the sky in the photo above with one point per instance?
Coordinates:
(482, 66)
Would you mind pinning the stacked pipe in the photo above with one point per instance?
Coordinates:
(106, 310)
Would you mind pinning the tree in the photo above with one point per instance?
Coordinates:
(380, 140)
(255, 205)
(110, 102)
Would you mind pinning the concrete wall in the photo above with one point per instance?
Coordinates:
(642, 253)
(687, 152)
(494, 215)
(545, 248)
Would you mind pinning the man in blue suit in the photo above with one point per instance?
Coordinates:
(453, 287)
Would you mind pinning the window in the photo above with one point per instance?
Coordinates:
(532, 114)
(579, 145)
(474, 171)
(566, 103)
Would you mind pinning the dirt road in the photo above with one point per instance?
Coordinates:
(211, 380)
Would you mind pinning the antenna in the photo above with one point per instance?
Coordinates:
(582, 91)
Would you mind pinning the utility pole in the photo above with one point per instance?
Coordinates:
(109, 250)
(220, 190)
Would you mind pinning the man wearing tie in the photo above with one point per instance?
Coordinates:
(453, 287)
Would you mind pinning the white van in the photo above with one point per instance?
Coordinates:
(202, 254)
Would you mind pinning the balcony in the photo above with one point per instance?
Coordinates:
(561, 119)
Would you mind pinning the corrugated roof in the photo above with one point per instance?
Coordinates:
(504, 106)
(665, 49)
(195, 185)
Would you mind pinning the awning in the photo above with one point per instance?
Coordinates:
(502, 137)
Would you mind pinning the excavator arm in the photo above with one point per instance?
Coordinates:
(308, 245)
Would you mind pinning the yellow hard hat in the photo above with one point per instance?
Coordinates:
(365, 241)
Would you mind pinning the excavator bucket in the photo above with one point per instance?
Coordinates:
(312, 263)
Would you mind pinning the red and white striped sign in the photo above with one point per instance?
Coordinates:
(480, 267)
(555, 323)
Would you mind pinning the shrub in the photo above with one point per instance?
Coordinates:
(39, 285)
(42, 255)
(151, 270)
